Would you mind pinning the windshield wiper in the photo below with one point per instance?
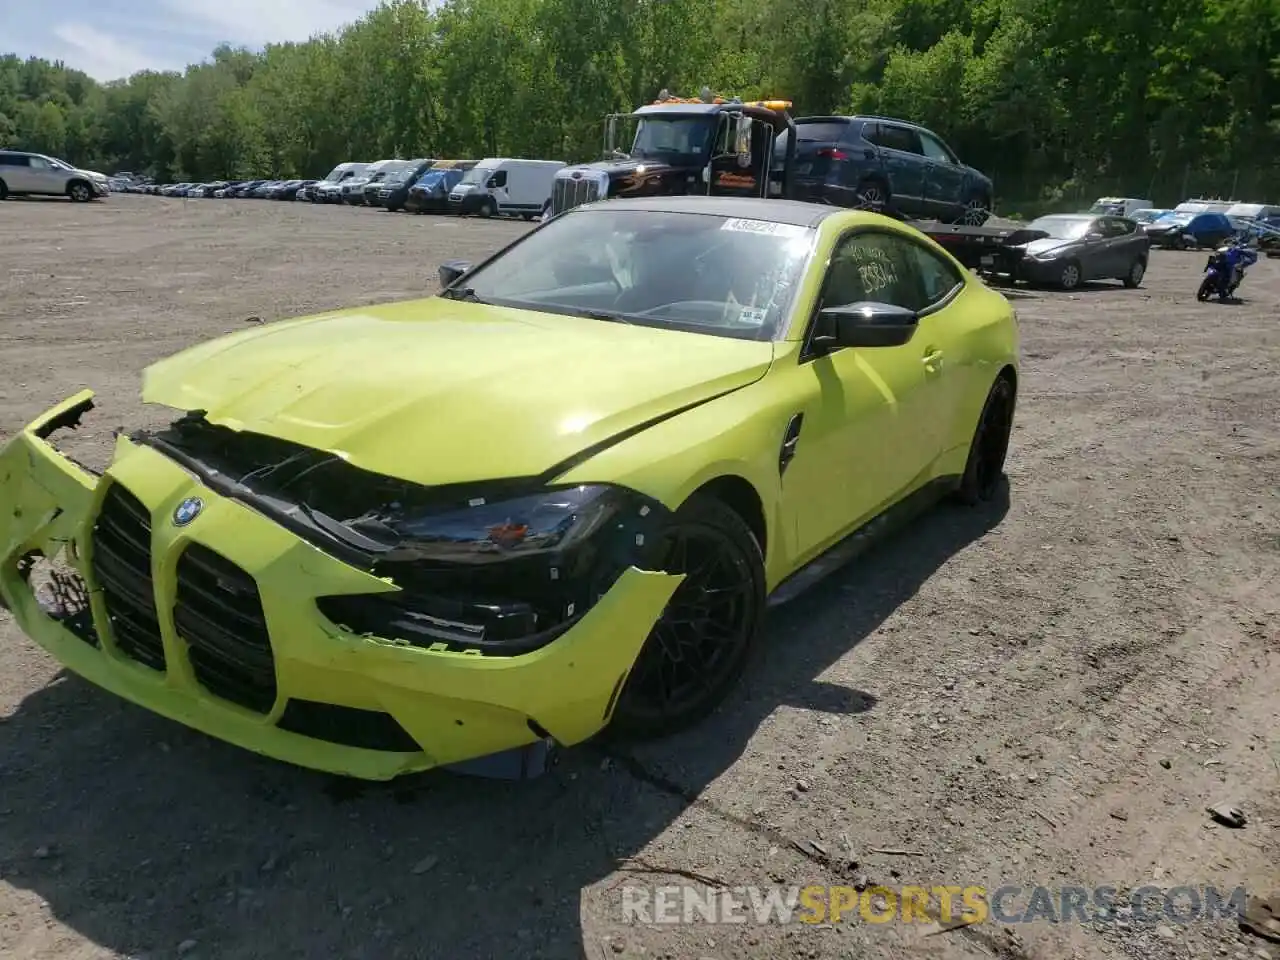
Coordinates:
(603, 315)
(466, 293)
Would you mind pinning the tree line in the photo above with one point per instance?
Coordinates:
(1055, 100)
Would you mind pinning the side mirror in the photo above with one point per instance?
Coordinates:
(451, 270)
(1094, 235)
(865, 324)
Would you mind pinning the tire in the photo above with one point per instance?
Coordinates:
(488, 208)
(1069, 277)
(703, 527)
(1133, 279)
(4, 190)
(977, 211)
(985, 466)
(1206, 289)
(79, 191)
(872, 194)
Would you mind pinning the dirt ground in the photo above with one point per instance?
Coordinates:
(1048, 694)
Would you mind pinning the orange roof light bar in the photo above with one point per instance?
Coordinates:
(664, 98)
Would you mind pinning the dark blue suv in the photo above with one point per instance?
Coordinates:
(857, 161)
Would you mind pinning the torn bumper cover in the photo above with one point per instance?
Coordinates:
(206, 611)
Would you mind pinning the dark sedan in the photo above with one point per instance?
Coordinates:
(1066, 250)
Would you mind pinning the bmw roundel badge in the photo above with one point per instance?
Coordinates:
(187, 511)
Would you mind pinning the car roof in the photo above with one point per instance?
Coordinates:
(793, 212)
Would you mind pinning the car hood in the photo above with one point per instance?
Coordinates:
(625, 167)
(1043, 246)
(436, 391)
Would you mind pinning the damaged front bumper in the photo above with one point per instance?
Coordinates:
(229, 586)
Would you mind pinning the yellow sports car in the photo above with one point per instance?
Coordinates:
(551, 500)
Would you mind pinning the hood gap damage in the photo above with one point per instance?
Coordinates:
(459, 586)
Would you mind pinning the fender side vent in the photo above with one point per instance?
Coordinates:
(790, 440)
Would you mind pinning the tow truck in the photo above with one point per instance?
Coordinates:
(724, 146)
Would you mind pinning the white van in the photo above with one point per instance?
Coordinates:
(1253, 211)
(506, 185)
(1119, 206)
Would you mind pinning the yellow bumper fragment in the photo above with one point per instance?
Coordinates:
(455, 706)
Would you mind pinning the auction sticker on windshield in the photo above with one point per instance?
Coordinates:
(766, 227)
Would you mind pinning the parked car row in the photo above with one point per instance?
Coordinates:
(494, 186)
(1194, 224)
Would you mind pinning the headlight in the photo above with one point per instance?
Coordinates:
(541, 524)
(504, 577)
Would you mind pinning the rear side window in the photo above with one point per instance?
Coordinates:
(13, 160)
(822, 131)
(893, 137)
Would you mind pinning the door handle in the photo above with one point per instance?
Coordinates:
(933, 361)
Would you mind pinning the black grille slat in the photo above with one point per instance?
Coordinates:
(128, 585)
(122, 569)
(218, 613)
(202, 601)
(219, 641)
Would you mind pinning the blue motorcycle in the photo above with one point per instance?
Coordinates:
(1225, 270)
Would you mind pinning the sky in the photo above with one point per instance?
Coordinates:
(111, 39)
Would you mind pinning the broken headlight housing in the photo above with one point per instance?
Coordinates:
(504, 577)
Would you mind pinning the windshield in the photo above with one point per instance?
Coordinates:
(477, 175)
(399, 171)
(1062, 228)
(1111, 208)
(677, 140)
(1147, 216)
(682, 271)
(439, 178)
(335, 173)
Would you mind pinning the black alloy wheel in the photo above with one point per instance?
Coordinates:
(976, 212)
(702, 643)
(985, 467)
(871, 195)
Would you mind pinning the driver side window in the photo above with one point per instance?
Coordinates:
(933, 149)
(499, 179)
(875, 267)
